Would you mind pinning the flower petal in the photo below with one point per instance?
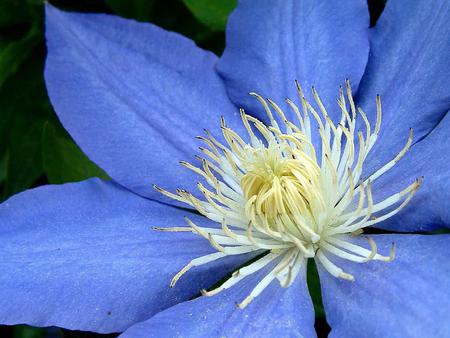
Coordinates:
(272, 43)
(132, 95)
(84, 256)
(407, 297)
(429, 208)
(276, 312)
(408, 66)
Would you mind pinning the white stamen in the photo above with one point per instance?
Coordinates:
(274, 194)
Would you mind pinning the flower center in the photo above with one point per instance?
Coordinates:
(275, 184)
(281, 185)
(271, 193)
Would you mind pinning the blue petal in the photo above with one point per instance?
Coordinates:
(276, 312)
(407, 297)
(429, 158)
(408, 66)
(84, 256)
(132, 95)
(272, 43)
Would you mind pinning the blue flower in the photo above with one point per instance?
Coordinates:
(84, 255)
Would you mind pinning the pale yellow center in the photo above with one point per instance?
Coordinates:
(274, 192)
(277, 185)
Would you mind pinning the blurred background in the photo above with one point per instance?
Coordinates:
(35, 149)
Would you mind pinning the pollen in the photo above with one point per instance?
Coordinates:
(289, 190)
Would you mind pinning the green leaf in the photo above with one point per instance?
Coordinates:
(22, 331)
(63, 159)
(133, 9)
(3, 166)
(12, 12)
(22, 114)
(13, 54)
(212, 13)
(23, 161)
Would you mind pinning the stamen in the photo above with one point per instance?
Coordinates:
(332, 268)
(196, 262)
(266, 280)
(242, 273)
(271, 191)
(394, 161)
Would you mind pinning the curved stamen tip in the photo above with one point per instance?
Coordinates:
(179, 274)
(245, 302)
(373, 249)
(173, 281)
(419, 181)
(211, 293)
(357, 232)
(392, 254)
(347, 276)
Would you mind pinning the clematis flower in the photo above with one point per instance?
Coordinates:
(281, 180)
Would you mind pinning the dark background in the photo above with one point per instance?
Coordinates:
(35, 149)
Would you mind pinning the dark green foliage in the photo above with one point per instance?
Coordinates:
(34, 148)
(213, 14)
(24, 109)
(63, 160)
